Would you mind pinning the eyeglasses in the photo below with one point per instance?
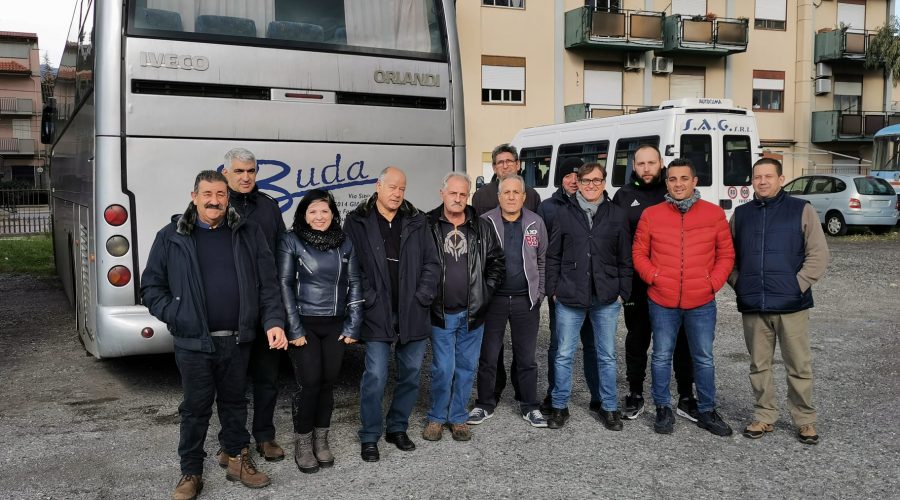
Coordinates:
(595, 181)
(505, 162)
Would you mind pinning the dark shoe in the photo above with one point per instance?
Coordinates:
(269, 450)
(320, 447)
(757, 429)
(242, 468)
(687, 408)
(189, 486)
(369, 452)
(400, 440)
(460, 432)
(535, 418)
(595, 406)
(711, 421)
(634, 406)
(433, 431)
(612, 420)
(807, 434)
(223, 458)
(478, 415)
(546, 405)
(665, 420)
(557, 418)
(304, 456)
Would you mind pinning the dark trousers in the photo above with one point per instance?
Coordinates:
(523, 323)
(589, 356)
(264, 376)
(637, 342)
(219, 376)
(317, 365)
(408, 359)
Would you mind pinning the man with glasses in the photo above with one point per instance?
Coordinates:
(588, 274)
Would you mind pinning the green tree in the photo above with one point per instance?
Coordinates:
(884, 49)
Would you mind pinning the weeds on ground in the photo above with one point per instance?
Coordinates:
(28, 255)
(893, 235)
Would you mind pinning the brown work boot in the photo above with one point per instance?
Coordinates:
(223, 458)
(460, 432)
(807, 434)
(320, 447)
(270, 450)
(433, 431)
(757, 429)
(189, 486)
(242, 468)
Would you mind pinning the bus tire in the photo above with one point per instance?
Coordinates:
(834, 224)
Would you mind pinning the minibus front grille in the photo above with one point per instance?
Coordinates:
(189, 89)
(391, 100)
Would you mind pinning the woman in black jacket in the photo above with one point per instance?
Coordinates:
(320, 285)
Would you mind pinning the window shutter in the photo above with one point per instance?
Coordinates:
(502, 77)
(689, 7)
(768, 84)
(603, 87)
(851, 14)
(774, 10)
(681, 86)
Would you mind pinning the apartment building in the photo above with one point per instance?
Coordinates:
(797, 63)
(21, 153)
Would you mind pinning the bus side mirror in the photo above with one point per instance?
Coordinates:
(479, 182)
(48, 123)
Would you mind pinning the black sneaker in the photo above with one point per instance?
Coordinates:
(687, 408)
(634, 406)
(665, 420)
(711, 421)
(557, 418)
(612, 420)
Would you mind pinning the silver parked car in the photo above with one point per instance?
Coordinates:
(848, 200)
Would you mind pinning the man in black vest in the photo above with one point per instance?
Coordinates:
(244, 196)
(780, 253)
(400, 272)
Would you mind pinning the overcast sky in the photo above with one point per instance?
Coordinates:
(50, 20)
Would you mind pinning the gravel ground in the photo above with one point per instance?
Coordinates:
(72, 427)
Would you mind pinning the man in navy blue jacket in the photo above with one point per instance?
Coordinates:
(211, 278)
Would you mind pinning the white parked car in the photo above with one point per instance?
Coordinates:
(848, 200)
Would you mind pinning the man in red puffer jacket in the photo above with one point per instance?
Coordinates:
(683, 251)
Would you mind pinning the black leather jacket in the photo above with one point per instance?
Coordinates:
(487, 266)
(319, 283)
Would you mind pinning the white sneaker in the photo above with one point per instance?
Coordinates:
(478, 415)
(535, 418)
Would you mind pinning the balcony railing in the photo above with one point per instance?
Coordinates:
(842, 45)
(585, 110)
(16, 106)
(837, 126)
(614, 30)
(704, 36)
(10, 146)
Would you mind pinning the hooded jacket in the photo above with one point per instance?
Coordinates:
(534, 249)
(172, 287)
(419, 273)
(486, 198)
(261, 209)
(637, 196)
(486, 265)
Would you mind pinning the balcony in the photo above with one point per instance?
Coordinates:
(842, 45)
(699, 35)
(843, 126)
(16, 106)
(619, 30)
(586, 110)
(16, 147)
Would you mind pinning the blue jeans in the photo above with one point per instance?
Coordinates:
(455, 352)
(589, 355)
(700, 327)
(569, 320)
(408, 358)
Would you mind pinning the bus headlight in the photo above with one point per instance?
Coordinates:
(117, 246)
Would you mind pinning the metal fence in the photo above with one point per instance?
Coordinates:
(849, 169)
(24, 211)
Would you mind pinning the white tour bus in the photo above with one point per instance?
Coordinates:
(721, 140)
(150, 92)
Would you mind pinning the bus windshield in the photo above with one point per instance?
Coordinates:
(400, 28)
(887, 153)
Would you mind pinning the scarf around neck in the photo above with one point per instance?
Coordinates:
(322, 240)
(590, 209)
(685, 204)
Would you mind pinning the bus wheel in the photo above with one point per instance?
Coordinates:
(835, 225)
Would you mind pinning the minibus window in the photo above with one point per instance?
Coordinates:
(625, 148)
(698, 149)
(588, 152)
(736, 166)
(536, 165)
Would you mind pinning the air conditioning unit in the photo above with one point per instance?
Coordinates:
(634, 60)
(662, 65)
(823, 70)
(823, 86)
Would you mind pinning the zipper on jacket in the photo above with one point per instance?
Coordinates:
(237, 338)
(681, 281)
(762, 261)
(524, 268)
(337, 280)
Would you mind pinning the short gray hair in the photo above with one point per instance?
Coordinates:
(239, 154)
(515, 177)
(208, 176)
(387, 169)
(451, 175)
(504, 148)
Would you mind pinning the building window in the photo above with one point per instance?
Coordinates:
(516, 4)
(848, 93)
(14, 50)
(770, 14)
(687, 82)
(604, 5)
(768, 90)
(502, 80)
(689, 7)
(852, 14)
(602, 87)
